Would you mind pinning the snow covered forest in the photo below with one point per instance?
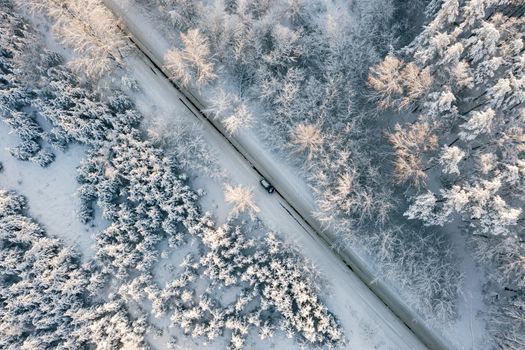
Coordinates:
(400, 124)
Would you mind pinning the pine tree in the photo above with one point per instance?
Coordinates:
(45, 293)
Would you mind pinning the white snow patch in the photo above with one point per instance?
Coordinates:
(50, 193)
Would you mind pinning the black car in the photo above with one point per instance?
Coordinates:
(267, 186)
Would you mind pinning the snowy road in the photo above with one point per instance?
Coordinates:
(357, 302)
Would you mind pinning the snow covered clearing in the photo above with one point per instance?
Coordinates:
(51, 192)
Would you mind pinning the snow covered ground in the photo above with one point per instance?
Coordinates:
(51, 193)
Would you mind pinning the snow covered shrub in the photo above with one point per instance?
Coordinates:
(403, 253)
(45, 297)
(183, 14)
(25, 150)
(308, 138)
(349, 187)
(240, 118)
(410, 146)
(397, 84)
(185, 143)
(231, 110)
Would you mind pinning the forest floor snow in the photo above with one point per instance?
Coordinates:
(51, 193)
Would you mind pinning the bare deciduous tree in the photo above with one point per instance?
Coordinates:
(192, 63)
(90, 29)
(409, 146)
(384, 79)
(308, 138)
(241, 198)
(240, 118)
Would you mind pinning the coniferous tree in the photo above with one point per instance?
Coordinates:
(46, 300)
